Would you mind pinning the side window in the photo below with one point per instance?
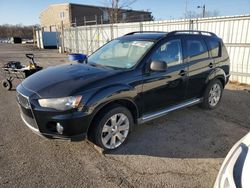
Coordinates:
(170, 52)
(196, 49)
(214, 47)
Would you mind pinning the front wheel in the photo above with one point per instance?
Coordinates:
(112, 128)
(212, 95)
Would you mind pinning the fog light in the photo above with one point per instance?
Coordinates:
(59, 128)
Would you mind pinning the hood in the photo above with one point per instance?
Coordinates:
(64, 80)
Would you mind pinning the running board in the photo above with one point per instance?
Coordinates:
(163, 112)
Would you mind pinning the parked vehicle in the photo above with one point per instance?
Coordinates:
(16, 40)
(15, 70)
(235, 170)
(130, 80)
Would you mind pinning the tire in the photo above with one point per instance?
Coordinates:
(7, 84)
(212, 95)
(108, 133)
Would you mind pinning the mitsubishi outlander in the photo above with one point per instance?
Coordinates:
(130, 80)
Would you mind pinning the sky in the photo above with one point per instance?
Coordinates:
(27, 12)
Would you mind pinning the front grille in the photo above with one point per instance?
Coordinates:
(23, 101)
(29, 119)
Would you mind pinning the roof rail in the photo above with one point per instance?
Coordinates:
(192, 32)
(135, 32)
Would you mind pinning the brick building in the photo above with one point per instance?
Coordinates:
(77, 15)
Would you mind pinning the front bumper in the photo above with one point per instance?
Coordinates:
(43, 121)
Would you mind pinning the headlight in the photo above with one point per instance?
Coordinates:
(65, 103)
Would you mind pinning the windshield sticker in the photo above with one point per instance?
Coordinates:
(140, 44)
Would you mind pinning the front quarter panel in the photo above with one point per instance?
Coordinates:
(111, 93)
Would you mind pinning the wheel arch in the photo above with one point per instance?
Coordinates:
(125, 102)
(219, 74)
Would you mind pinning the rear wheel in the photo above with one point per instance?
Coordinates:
(7, 84)
(112, 127)
(212, 95)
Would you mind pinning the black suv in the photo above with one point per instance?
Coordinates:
(130, 80)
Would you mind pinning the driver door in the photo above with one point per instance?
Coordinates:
(165, 89)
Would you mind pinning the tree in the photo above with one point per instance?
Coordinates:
(193, 14)
(115, 8)
(7, 31)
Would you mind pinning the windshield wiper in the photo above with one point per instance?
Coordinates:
(104, 66)
(95, 65)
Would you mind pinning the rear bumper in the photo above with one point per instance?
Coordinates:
(227, 78)
(43, 121)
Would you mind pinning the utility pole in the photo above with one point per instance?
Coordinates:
(34, 35)
(185, 9)
(203, 10)
(62, 37)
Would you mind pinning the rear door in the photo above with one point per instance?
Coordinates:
(200, 64)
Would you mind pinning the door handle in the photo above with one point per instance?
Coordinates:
(211, 65)
(183, 73)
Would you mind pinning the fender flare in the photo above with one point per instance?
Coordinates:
(217, 73)
(110, 94)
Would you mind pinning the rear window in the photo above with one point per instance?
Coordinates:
(213, 47)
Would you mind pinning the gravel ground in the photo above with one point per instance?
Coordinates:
(183, 149)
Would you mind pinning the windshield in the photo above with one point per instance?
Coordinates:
(120, 54)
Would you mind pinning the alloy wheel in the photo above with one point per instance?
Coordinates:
(214, 95)
(115, 131)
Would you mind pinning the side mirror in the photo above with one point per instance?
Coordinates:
(80, 58)
(159, 66)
